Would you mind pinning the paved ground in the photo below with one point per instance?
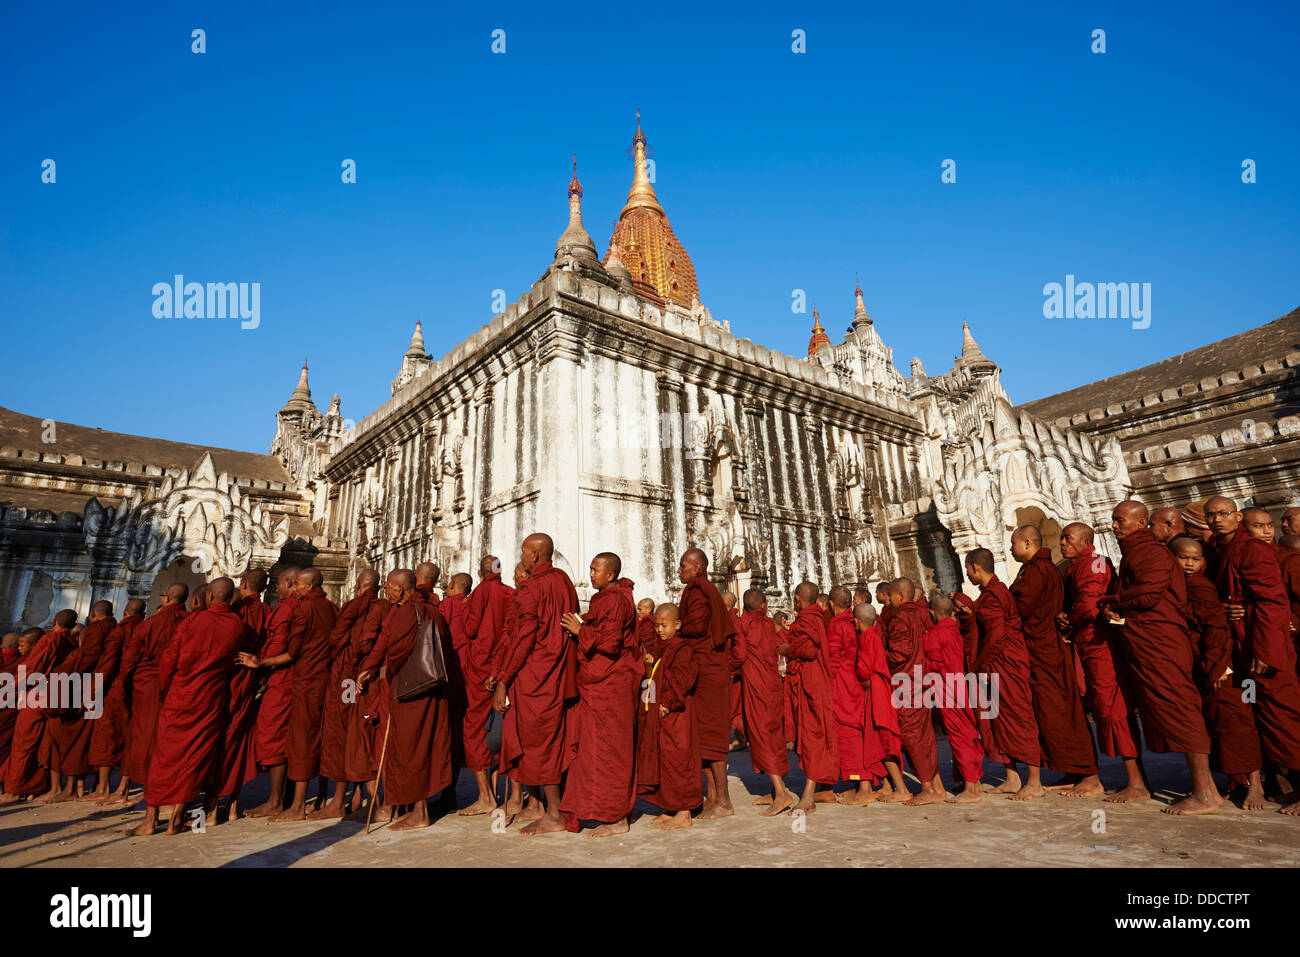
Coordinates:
(1053, 831)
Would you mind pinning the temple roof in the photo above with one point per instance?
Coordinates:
(301, 401)
(647, 245)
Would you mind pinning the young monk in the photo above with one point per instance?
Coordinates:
(753, 658)
(673, 731)
(860, 751)
(645, 623)
(814, 702)
(943, 658)
(905, 653)
(9, 648)
(877, 688)
(24, 774)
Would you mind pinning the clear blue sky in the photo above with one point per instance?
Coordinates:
(778, 171)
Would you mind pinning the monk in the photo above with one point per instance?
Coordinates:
(1065, 743)
(108, 735)
(543, 669)
(1291, 521)
(1288, 560)
(860, 753)
(9, 648)
(1088, 576)
(708, 628)
(341, 696)
(738, 741)
(753, 658)
(1234, 738)
(1149, 610)
(69, 728)
(601, 784)
(309, 651)
(905, 654)
(484, 624)
(1249, 582)
(24, 775)
(814, 703)
(878, 692)
(516, 807)
(470, 745)
(861, 596)
(1166, 524)
(426, 579)
(668, 753)
(238, 760)
(271, 730)
(944, 660)
(645, 623)
(417, 749)
(361, 753)
(1013, 731)
(141, 660)
(9, 716)
(187, 746)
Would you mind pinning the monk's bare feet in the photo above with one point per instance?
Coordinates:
(675, 822)
(543, 825)
(1195, 804)
(1067, 782)
(1253, 799)
(608, 830)
(56, 797)
(970, 794)
(1028, 793)
(96, 796)
(1129, 795)
(269, 809)
(660, 819)
(895, 797)
(10, 799)
(532, 811)
(824, 797)
(763, 800)
(782, 803)
(1010, 786)
(330, 812)
(290, 815)
(144, 830)
(412, 820)
(717, 810)
(927, 795)
(1085, 787)
(807, 805)
(486, 804)
(855, 798)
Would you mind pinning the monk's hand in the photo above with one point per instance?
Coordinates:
(1109, 614)
(572, 623)
(247, 660)
(499, 699)
(662, 711)
(648, 658)
(490, 682)
(783, 648)
(1063, 621)
(1258, 667)
(1235, 612)
(365, 678)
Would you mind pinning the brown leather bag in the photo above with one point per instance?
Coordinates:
(426, 669)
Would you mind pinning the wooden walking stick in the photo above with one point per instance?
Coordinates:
(378, 774)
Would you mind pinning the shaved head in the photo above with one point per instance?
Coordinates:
(841, 597)
(754, 599)
(367, 580)
(460, 584)
(221, 589)
(1166, 523)
(1223, 516)
(1128, 517)
(941, 605)
(1028, 534)
(980, 558)
(865, 615)
(101, 609)
(610, 562)
(729, 599)
(289, 575)
(902, 588)
(10, 640)
(694, 563)
(805, 592)
(1186, 545)
(1291, 521)
(177, 592)
(541, 545)
(65, 619)
(426, 574)
(135, 607)
(1080, 532)
(1259, 524)
(490, 565)
(254, 580)
(668, 612)
(404, 578)
(311, 577)
(646, 607)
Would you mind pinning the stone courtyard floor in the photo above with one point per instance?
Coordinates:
(1052, 831)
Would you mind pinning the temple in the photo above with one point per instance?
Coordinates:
(608, 407)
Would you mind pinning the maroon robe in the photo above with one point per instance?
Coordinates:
(141, 661)
(878, 690)
(814, 703)
(668, 756)
(601, 785)
(70, 730)
(1063, 735)
(1249, 575)
(341, 695)
(108, 736)
(970, 631)
(417, 755)
(1152, 599)
(1013, 732)
(861, 752)
(534, 740)
(1234, 739)
(707, 626)
(945, 659)
(238, 760)
(309, 643)
(24, 774)
(1106, 680)
(271, 731)
(483, 624)
(905, 655)
(190, 732)
(737, 720)
(753, 659)
(366, 720)
(452, 609)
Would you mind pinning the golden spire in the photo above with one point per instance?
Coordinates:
(642, 192)
(819, 337)
(574, 240)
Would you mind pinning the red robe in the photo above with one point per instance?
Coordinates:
(668, 755)
(8, 716)
(862, 753)
(238, 761)
(970, 631)
(1248, 574)
(141, 661)
(108, 736)
(1289, 563)
(24, 773)
(341, 697)
(367, 718)
(1063, 735)
(1152, 598)
(452, 608)
(1234, 739)
(70, 730)
(534, 742)
(737, 720)
(1012, 735)
(484, 622)
(309, 643)
(945, 659)
(601, 785)
(878, 689)
(905, 655)
(753, 659)
(417, 756)
(271, 732)
(707, 626)
(190, 732)
(814, 703)
(1106, 681)
(645, 633)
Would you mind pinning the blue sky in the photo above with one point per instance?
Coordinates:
(778, 171)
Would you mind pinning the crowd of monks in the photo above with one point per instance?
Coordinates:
(569, 717)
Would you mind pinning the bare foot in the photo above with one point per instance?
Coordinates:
(1027, 793)
(1087, 787)
(784, 802)
(965, 797)
(717, 810)
(895, 797)
(96, 796)
(1129, 795)
(484, 805)
(1293, 808)
(856, 798)
(763, 800)
(606, 830)
(677, 821)
(144, 830)
(824, 797)
(806, 805)
(1193, 804)
(1010, 786)
(927, 796)
(410, 821)
(1067, 782)
(543, 825)
(330, 812)
(10, 798)
(532, 811)
(289, 815)
(1254, 800)
(270, 809)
